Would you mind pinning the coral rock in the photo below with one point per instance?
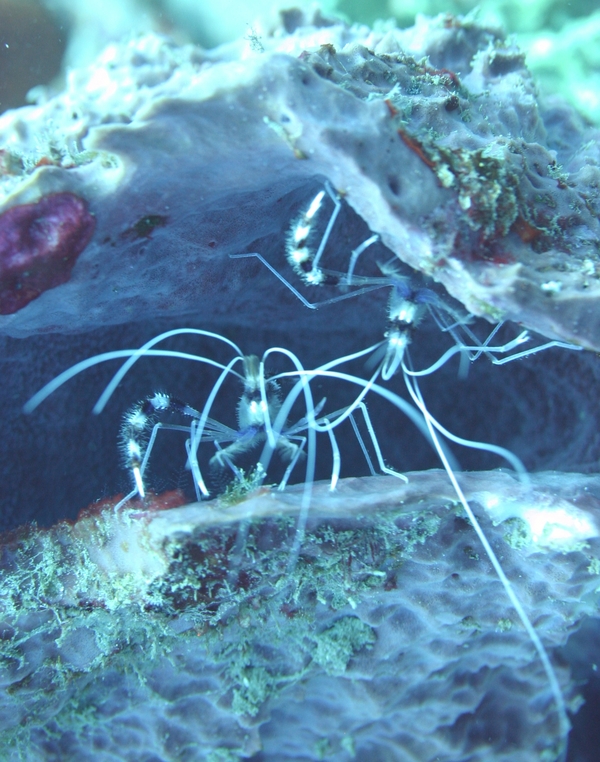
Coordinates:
(434, 134)
(141, 634)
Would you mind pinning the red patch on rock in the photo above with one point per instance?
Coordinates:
(151, 504)
(39, 244)
(526, 232)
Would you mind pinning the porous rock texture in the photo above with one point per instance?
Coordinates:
(179, 633)
(434, 135)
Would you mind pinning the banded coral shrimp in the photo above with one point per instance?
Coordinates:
(408, 301)
(407, 307)
(259, 403)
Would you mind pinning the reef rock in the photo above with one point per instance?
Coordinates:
(182, 633)
(434, 135)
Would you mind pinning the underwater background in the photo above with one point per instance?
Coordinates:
(107, 666)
